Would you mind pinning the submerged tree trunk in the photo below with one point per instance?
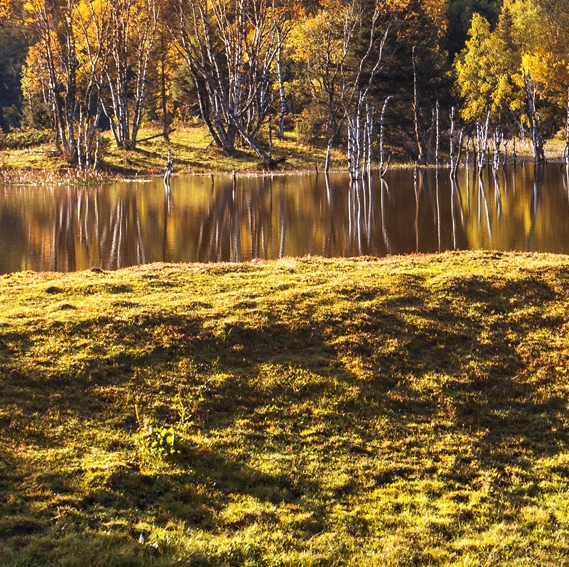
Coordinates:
(419, 135)
(437, 134)
(482, 142)
(453, 160)
(498, 138)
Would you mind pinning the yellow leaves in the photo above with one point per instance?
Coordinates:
(397, 5)
(309, 37)
(437, 11)
(32, 71)
(491, 69)
(5, 10)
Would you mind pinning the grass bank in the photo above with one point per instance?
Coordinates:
(309, 412)
(192, 152)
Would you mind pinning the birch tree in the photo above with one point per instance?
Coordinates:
(357, 104)
(65, 67)
(322, 43)
(518, 70)
(230, 47)
(133, 25)
(341, 46)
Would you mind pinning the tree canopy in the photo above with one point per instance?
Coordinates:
(77, 66)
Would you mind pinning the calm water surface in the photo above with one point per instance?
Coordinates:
(67, 228)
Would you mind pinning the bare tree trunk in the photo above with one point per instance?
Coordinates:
(163, 100)
(280, 75)
(536, 131)
(482, 142)
(454, 158)
(498, 138)
(432, 130)
(355, 141)
(451, 143)
(383, 165)
(328, 154)
(437, 134)
(71, 66)
(565, 157)
(419, 136)
(370, 135)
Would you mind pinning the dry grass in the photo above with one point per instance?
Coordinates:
(400, 411)
(191, 149)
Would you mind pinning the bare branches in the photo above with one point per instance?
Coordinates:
(230, 48)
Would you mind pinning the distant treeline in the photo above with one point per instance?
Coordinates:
(253, 69)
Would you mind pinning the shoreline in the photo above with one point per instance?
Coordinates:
(36, 176)
(192, 154)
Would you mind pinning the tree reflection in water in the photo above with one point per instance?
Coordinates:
(65, 228)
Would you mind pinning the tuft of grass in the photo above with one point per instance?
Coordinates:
(395, 411)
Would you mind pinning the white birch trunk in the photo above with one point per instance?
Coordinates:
(383, 165)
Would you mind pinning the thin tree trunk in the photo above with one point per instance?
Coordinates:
(282, 95)
(419, 139)
(498, 137)
(437, 134)
(383, 165)
(482, 142)
(328, 154)
(451, 143)
(566, 150)
(536, 132)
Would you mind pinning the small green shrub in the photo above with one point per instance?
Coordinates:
(160, 442)
(19, 140)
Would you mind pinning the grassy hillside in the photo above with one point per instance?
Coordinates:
(400, 411)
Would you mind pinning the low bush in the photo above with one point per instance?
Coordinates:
(19, 140)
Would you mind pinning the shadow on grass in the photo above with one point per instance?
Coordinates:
(318, 383)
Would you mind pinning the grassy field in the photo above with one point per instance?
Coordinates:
(191, 150)
(304, 412)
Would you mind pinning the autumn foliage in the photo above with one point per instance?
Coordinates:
(81, 66)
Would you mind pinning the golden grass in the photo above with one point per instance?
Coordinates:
(191, 150)
(396, 411)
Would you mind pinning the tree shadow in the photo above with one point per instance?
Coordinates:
(431, 369)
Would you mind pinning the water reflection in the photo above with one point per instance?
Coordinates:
(232, 219)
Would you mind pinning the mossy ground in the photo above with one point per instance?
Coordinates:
(397, 411)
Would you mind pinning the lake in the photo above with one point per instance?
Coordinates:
(210, 219)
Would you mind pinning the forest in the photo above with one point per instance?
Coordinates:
(363, 74)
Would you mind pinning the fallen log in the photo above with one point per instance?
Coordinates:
(167, 133)
(272, 164)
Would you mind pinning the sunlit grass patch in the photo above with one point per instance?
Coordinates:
(191, 150)
(324, 412)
